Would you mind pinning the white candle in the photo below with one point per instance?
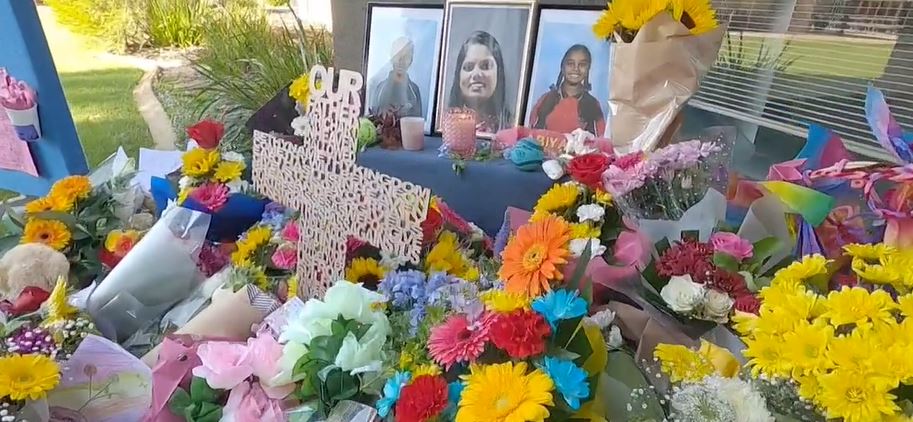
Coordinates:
(413, 132)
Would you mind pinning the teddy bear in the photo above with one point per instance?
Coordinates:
(30, 265)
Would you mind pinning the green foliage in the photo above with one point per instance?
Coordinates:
(246, 62)
(199, 405)
(319, 376)
(736, 55)
(175, 23)
(111, 20)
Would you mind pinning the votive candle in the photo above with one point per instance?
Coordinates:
(413, 132)
(459, 132)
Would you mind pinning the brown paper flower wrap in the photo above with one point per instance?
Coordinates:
(653, 77)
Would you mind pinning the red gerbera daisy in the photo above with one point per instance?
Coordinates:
(520, 333)
(422, 400)
(458, 340)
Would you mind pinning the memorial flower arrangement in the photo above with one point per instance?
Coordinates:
(210, 176)
(266, 255)
(623, 19)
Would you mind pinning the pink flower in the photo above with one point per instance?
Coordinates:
(224, 364)
(733, 245)
(265, 353)
(286, 257)
(291, 232)
(248, 402)
(213, 196)
(457, 340)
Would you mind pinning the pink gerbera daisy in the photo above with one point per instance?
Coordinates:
(291, 232)
(213, 196)
(458, 340)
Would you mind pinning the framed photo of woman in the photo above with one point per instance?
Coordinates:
(402, 49)
(569, 81)
(486, 50)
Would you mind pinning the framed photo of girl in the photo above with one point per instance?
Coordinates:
(486, 51)
(402, 49)
(569, 81)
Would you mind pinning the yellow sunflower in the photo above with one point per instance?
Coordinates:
(199, 162)
(697, 15)
(72, 188)
(447, 257)
(557, 199)
(605, 25)
(27, 377)
(226, 171)
(259, 236)
(634, 14)
(48, 204)
(300, 90)
(50, 232)
(367, 271)
(505, 392)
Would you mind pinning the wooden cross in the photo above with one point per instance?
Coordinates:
(336, 197)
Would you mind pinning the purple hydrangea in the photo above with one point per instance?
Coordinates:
(404, 288)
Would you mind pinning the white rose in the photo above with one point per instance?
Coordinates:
(615, 339)
(682, 294)
(184, 182)
(553, 169)
(590, 212)
(579, 245)
(233, 156)
(717, 306)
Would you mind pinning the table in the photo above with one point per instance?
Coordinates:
(480, 194)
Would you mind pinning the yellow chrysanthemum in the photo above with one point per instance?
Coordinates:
(502, 301)
(682, 364)
(867, 252)
(446, 257)
(697, 15)
(199, 162)
(585, 231)
(27, 377)
(806, 347)
(602, 197)
(259, 236)
(367, 271)
(744, 323)
(855, 305)
(226, 171)
(300, 90)
(292, 291)
(426, 369)
(57, 307)
(49, 204)
(557, 199)
(856, 397)
(72, 188)
(905, 305)
(765, 355)
(505, 392)
(856, 351)
(809, 269)
(50, 232)
(809, 387)
(876, 273)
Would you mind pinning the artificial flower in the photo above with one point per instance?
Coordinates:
(199, 162)
(559, 305)
(570, 381)
(285, 257)
(457, 340)
(27, 377)
(53, 233)
(391, 393)
(578, 246)
(505, 392)
(71, 189)
(522, 334)
(366, 271)
(502, 301)
(681, 364)
(119, 242)
(212, 196)
(590, 212)
(856, 305)
(300, 90)
(856, 397)
(588, 168)
(227, 171)
(533, 256)
(48, 204)
(249, 402)
(207, 133)
(682, 294)
(731, 244)
(557, 198)
(422, 400)
(223, 364)
(264, 354)
(697, 15)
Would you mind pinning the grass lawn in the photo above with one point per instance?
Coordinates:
(824, 56)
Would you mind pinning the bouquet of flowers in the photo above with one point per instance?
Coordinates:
(663, 48)
(665, 183)
(579, 143)
(267, 254)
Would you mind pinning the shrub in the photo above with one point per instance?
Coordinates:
(111, 20)
(175, 23)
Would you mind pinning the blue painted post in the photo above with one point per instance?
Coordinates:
(25, 54)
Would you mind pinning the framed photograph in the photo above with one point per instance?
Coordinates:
(569, 81)
(402, 53)
(486, 51)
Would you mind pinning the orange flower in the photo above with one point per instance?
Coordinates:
(119, 242)
(72, 188)
(532, 257)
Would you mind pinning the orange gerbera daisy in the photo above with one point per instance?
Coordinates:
(532, 257)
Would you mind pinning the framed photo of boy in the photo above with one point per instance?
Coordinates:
(486, 51)
(402, 50)
(569, 81)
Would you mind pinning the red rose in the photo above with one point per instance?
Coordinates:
(422, 400)
(207, 133)
(28, 301)
(431, 225)
(521, 334)
(588, 169)
(747, 303)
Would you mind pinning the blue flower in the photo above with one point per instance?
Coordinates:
(403, 288)
(569, 379)
(558, 305)
(392, 389)
(455, 391)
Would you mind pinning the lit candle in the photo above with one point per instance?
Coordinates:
(459, 132)
(413, 131)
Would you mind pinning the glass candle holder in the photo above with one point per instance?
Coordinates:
(413, 133)
(459, 133)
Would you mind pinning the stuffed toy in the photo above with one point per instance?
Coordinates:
(30, 265)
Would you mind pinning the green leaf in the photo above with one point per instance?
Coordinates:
(580, 268)
(565, 331)
(651, 275)
(662, 246)
(580, 345)
(200, 391)
(764, 249)
(209, 412)
(621, 377)
(341, 385)
(63, 217)
(726, 262)
(325, 348)
(305, 366)
(178, 401)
